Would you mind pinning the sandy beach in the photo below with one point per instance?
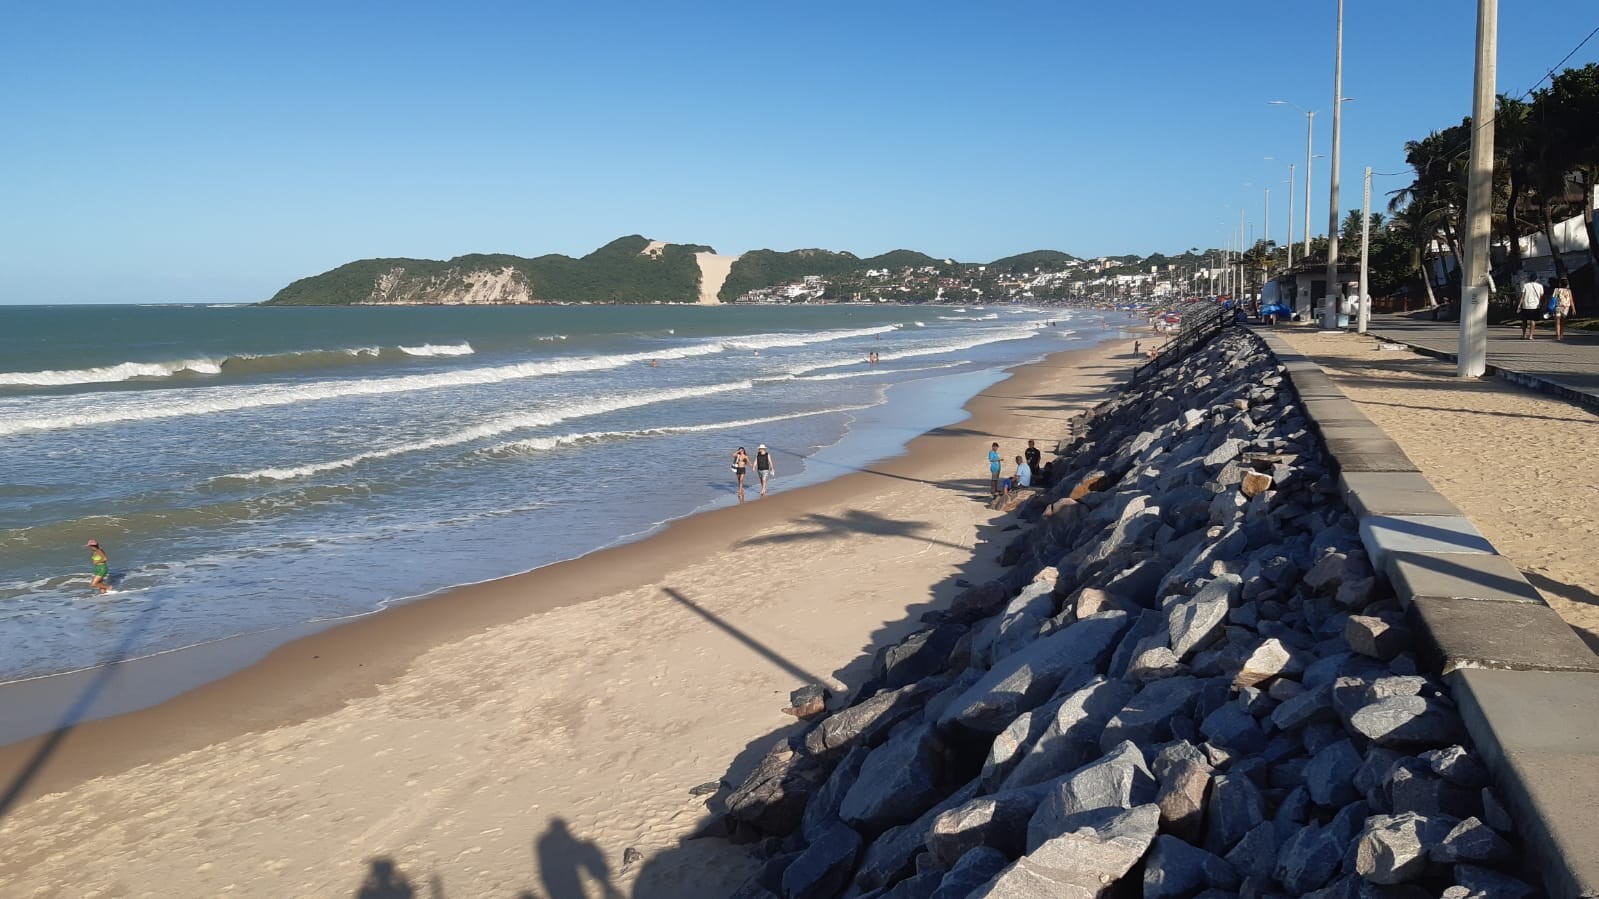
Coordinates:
(517, 738)
(1512, 459)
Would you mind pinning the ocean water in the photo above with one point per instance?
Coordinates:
(254, 468)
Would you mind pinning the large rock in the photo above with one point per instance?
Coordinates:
(1176, 870)
(1147, 717)
(1191, 622)
(823, 868)
(918, 656)
(1070, 736)
(1408, 719)
(1270, 659)
(1235, 808)
(974, 869)
(1025, 679)
(898, 781)
(1233, 728)
(998, 821)
(869, 721)
(1394, 848)
(822, 810)
(1471, 841)
(1120, 780)
(773, 798)
(889, 857)
(1078, 865)
(1183, 790)
(1309, 857)
(1330, 776)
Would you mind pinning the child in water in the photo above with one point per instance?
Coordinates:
(102, 567)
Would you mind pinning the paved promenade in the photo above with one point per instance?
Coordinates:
(1572, 363)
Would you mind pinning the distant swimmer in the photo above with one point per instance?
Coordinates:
(654, 363)
(102, 567)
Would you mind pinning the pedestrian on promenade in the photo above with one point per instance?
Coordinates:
(765, 468)
(1531, 307)
(741, 464)
(1564, 305)
(993, 470)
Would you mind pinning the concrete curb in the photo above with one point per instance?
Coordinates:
(1526, 685)
(1586, 400)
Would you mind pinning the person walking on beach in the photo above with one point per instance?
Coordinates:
(993, 470)
(102, 567)
(765, 468)
(741, 464)
(1563, 306)
(1531, 307)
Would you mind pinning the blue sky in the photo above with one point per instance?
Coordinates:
(166, 151)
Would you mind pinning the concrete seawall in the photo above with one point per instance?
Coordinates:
(1526, 685)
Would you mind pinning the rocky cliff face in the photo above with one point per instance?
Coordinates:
(455, 286)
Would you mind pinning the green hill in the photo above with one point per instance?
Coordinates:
(1047, 260)
(619, 272)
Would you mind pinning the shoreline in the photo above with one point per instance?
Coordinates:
(315, 676)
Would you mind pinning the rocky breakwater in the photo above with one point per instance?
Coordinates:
(1190, 683)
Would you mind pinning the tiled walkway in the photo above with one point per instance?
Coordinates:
(1572, 364)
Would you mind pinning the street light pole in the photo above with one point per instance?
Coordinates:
(1473, 348)
(1361, 315)
(1265, 229)
(1310, 125)
(1290, 243)
(1329, 315)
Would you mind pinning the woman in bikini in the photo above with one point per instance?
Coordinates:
(741, 464)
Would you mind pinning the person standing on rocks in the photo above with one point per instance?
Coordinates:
(1035, 459)
(993, 470)
(765, 468)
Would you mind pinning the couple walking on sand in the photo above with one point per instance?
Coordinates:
(765, 467)
(1027, 467)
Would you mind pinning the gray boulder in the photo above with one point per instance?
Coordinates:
(1191, 622)
(1471, 841)
(822, 810)
(1070, 736)
(1235, 808)
(869, 722)
(918, 656)
(1490, 884)
(1330, 776)
(1147, 717)
(971, 871)
(1394, 848)
(1120, 780)
(1408, 719)
(1233, 728)
(1176, 870)
(998, 821)
(898, 781)
(1256, 853)
(772, 799)
(1309, 857)
(1025, 679)
(1081, 864)
(1272, 658)
(889, 857)
(823, 868)
(1181, 799)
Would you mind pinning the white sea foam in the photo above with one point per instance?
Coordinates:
(547, 337)
(125, 371)
(494, 428)
(920, 324)
(771, 341)
(953, 318)
(205, 401)
(841, 375)
(991, 336)
(545, 444)
(448, 349)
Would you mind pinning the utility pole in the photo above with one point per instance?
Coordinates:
(1265, 230)
(1473, 348)
(1310, 126)
(1329, 311)
(1361, 314)
(1290, 244)
(1243, 260)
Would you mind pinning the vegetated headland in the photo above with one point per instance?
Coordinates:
(635, 269)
